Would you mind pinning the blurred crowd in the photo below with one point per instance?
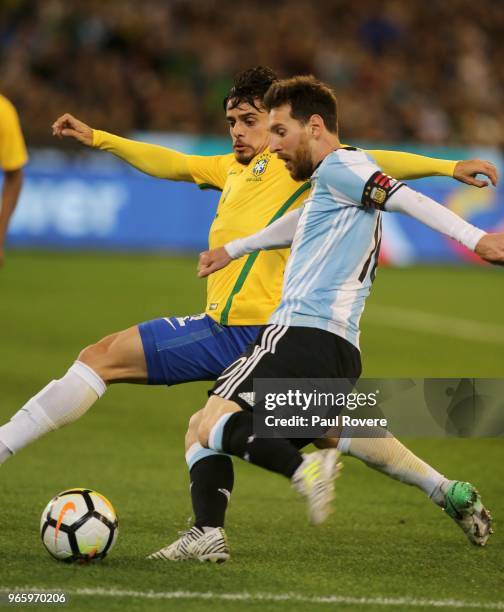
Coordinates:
(429, 71)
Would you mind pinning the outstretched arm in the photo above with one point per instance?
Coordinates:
(411, 166)
(155, 160)
(151, 159)
(489, 247)
(278, 235)
(385, 193)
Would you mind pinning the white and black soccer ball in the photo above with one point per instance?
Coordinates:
(79, 525)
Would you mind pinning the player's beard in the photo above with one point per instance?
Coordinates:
(300, 166)
(244, 157)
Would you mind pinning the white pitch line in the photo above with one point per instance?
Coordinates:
(404, 602)
(443, 325)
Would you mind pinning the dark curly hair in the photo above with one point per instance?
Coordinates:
(250, 85)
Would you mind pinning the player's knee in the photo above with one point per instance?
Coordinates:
(215, 408)
(204, 429)
(97, 356)
(88, 354)
(191, 436)
(209, 416)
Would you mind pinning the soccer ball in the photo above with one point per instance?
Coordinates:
(78, 525)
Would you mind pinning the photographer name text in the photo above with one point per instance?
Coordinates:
(318, 421)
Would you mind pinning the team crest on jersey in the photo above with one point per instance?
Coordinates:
(260, 166)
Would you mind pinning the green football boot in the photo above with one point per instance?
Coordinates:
(463, 504)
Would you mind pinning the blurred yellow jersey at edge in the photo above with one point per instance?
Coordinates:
(13, 153)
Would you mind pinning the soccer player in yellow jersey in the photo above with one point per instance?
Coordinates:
(13, 157)
(256, 189)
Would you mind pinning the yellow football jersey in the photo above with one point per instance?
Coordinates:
(13, 153)
(248, 290)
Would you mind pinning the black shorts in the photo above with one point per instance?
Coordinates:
(288, 352)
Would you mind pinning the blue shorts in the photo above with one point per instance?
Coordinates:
(185, 349)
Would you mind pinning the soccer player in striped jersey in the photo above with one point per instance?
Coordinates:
(314, 333)
(255, 190)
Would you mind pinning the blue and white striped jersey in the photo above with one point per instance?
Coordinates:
(335, 249)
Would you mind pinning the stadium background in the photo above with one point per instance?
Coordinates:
(420, 76)
(157, 71)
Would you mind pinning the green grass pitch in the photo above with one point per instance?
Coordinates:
(385, 540)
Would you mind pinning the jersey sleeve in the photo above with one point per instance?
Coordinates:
(435, 215)
(405, 166)
(13, 153)
(162, 162)
(355, 180)
(210, 172)
(277, 235)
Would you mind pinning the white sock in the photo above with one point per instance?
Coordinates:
(59, 403)
(381, 451)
